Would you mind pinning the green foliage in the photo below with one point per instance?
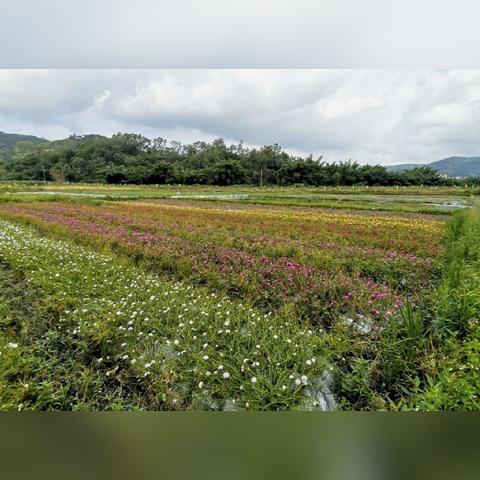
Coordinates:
(454, 383)
(456, 386)
(135, 159)
(458, 298)
(12, 144)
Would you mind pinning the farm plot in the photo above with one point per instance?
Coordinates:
(141, 306)
(105, 335)
(319, 264)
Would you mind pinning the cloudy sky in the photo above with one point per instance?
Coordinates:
(371, 116)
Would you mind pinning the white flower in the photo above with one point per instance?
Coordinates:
(12, 345)
(176, 342)
(254, 379)
(200, 385)
(220, 367)
(298, 381)
(304, 379)
(124, 344)
(308, 362)
(205, 357)
(226, 375)
(284, 387)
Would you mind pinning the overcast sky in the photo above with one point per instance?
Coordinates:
(371, 116)
(239, 33)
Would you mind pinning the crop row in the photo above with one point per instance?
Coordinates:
(323, 265)
(118, 337)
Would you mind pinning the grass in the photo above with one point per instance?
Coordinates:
(428, 200)
(455, 382)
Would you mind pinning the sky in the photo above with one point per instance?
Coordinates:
(239, 33)
(371, 116)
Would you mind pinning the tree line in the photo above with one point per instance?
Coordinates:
(135, 159)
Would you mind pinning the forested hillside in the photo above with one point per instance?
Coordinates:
(13, 143)
(8, 141)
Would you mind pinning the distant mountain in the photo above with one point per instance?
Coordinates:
(451, 166)
(8, 141)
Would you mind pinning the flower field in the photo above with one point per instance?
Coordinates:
(320, 264)
(134, 341)
(126, 305)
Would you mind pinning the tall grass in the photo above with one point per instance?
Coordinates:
(455, 380)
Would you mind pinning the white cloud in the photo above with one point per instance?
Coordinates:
(372, 116)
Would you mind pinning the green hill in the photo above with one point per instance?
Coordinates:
(451, 166)
(8, 141)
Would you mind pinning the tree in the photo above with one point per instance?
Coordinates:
(133, 158)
